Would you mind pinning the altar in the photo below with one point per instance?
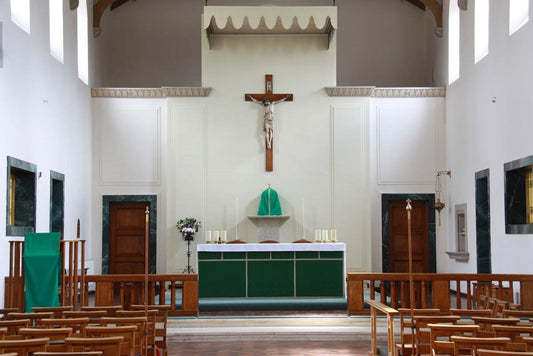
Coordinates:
(255, 270)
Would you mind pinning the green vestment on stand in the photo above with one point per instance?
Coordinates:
(42, 263)
(269, 204)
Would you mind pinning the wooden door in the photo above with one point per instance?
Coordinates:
(126, 237)
(397, 236)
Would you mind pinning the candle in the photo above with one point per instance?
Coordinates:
(317, 236)
(324, 235)
(224, 235)
(236, 218)
(208, 236)
(333, 235)
(216, 236)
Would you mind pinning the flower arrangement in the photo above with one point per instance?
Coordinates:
(188, 227)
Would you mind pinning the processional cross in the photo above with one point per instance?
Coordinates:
(268, 99)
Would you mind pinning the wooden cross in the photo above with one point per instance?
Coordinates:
(269, 96)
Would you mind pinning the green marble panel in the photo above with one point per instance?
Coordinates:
(307, 254)
(270, 278)
(331, 254)
(258, 255)
(234, 255)
(283, 255)
(323, 278)
(222, 279)
(209, 256)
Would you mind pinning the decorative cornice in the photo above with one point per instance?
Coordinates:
(349, 91)
(428, 92)
(164, 92)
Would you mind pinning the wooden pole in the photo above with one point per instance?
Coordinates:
(410, 247)
(146, 255)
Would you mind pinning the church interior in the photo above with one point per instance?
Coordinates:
(317, 144)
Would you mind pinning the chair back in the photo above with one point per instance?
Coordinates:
(110, 346)
(12, 327)
(67, 353)
(24, 347)
(33, 317)
(140, 334)
(422, 331)
(109, 309)
(77, 325)
(440, 334)
(56, 336)
(56, 310)
(127, 347)
(485, 352)
(94, 315)
(462, 343)
(516, 333)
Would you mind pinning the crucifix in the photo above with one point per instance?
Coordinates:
(268, 99)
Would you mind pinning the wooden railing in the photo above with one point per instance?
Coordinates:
(180, 291)
(376, 307)
(436, 290)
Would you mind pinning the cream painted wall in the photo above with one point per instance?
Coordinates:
(488, 123)
(129, 158)
(45, 116)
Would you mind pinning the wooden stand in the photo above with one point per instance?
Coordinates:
(72, 280)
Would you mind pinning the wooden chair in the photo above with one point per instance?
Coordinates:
(523, 315)
(13, 326)
(485, 352)
(500, 307)
(3, 332)
(161, 324)
(94, 315)
(471, 344)
(56, 310)
(485, 329)
(150, 324)
(110, 346)
(5, 311)
(127, 347)
(422, 331)
(514, 332)
(140, 335)
(440, 334)
(405, 347)
(467, 314)
(24, 347)
(529, 343)
(33, 317)
(77, 325)
(67, 353)
(110, 309)
(56, 336)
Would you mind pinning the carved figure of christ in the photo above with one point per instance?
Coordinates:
(268, 100)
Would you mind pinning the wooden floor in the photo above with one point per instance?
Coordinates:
(258, 348)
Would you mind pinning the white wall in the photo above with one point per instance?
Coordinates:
(157, 43)
(488, 119)
(45, 117)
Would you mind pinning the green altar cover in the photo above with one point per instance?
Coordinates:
(41, 269)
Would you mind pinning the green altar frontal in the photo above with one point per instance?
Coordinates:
(271, 270)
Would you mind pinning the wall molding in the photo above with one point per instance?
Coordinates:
(370, 91)
(164, 92)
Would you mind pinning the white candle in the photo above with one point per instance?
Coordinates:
(303, 218)
(208, 236)
(216, 236)
(224, 235)
(317, 236)
(324, 235)
(333, 235)
(236, 218)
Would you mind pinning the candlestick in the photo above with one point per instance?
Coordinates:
(223, 234)
(216, 236)
(303, 218)
(324, 235)
(236, 218)
(333, 235)
(317, 236)
(208, 236)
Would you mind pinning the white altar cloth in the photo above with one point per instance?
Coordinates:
(256, 247)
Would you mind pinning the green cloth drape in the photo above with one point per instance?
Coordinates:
(41, 269)
(269, 204)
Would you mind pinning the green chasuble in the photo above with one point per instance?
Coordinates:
(41, 269)
(269, 204)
